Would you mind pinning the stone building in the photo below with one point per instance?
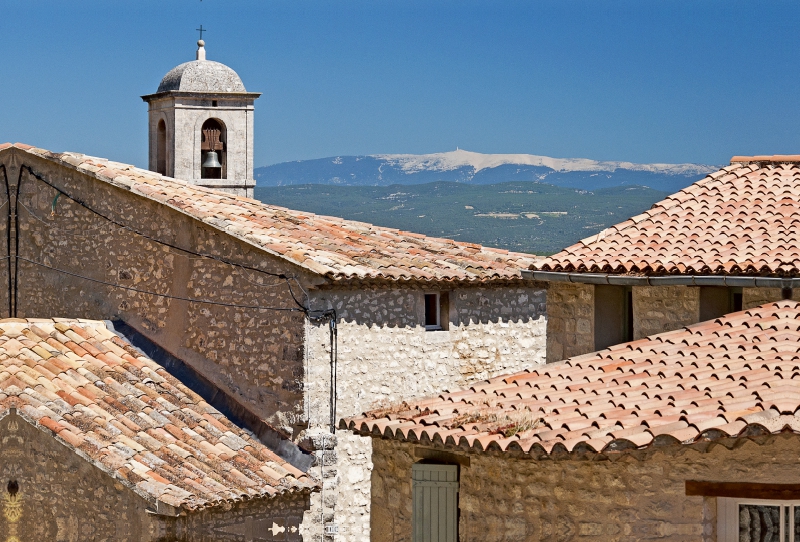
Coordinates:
(99, 442)
(725, 243)
(242, 296)
(691, 434)
(202, 108)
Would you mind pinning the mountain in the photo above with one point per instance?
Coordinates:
(524, 216)
(475, 168)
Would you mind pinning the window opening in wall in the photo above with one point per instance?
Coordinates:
(213, 103)
(432, 312)
(213, 157)
(757, 520)
(716, 301)
(434, 502)
(161, 148)
(613, 315)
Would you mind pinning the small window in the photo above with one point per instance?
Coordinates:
(756, 520)
(213, 103)
(437, 311)
(434, 502)
(432, 311)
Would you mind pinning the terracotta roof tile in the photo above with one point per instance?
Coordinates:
(120, 415)
(717, 394)
(741, 220)
(336, 248)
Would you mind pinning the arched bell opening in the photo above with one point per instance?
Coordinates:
(213, 155)
(161, 148)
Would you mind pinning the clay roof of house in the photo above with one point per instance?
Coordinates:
(99, 396)
(734, 377)
(743, 219)
(332, 247)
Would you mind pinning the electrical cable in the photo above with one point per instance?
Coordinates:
(168, 296)
(146, 236)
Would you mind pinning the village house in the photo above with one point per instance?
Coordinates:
(99, 442)
(686, 435)
(283, 320)
(718, 246)
(686, 432)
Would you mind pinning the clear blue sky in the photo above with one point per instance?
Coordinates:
(645, 81)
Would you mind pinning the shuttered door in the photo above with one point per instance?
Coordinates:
(435, 502)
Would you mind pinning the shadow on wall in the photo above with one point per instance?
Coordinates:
(238, 414)
(404, 308)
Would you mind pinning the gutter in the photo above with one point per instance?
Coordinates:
(670, 280)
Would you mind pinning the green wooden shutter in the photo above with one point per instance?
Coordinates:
(435, 493)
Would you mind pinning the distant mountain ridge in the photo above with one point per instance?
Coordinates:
(476, 168)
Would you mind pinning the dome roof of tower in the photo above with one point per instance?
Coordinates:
(201, 76)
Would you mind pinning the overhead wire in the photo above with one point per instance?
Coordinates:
(86, 206)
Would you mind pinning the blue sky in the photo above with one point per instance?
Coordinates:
(619, 80)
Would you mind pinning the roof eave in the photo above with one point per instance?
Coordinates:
(187, 94)
(668, 280)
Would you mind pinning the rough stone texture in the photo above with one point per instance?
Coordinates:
(502, 498)
(753, 297)
(657, 309)
(387, 356)
(201, 76)
(276, 519)
(61, 496)
(255, 356)
(570, 320)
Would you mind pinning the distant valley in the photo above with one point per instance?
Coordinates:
(462, 166)
(529, 217)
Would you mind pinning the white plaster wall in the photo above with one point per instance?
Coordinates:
(385, 356)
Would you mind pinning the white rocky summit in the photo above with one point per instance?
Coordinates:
(448, 161)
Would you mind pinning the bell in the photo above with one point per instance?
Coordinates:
(212, 160)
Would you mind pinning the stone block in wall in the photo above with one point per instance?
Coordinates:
(657, 309)
(570, 320)
(753, 297)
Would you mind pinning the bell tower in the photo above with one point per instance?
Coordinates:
(201, 126)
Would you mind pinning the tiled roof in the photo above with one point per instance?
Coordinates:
(743, 219)
(332, 247)
(733, 377)
(98, 395)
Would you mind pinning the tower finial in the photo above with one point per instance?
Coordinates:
(201, 50)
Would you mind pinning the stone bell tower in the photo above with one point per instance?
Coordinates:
(201, 126)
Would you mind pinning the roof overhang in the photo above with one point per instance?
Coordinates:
(183, 94)
(668, 280)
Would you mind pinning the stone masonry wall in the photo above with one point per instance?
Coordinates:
(657, 309)
(570, 320)
(62, 497)
(753, 297)
(387, 356)
(254, 355)
(505, 499)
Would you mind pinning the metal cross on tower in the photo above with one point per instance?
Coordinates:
(201, 30)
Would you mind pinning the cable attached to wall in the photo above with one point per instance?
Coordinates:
(153, 239)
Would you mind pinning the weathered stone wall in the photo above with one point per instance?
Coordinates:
(62, 497)
(386, 356)
(254, 355)
(657, 309)
(505, 499)
(570, 320)
(276, 519)
(753, 297)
